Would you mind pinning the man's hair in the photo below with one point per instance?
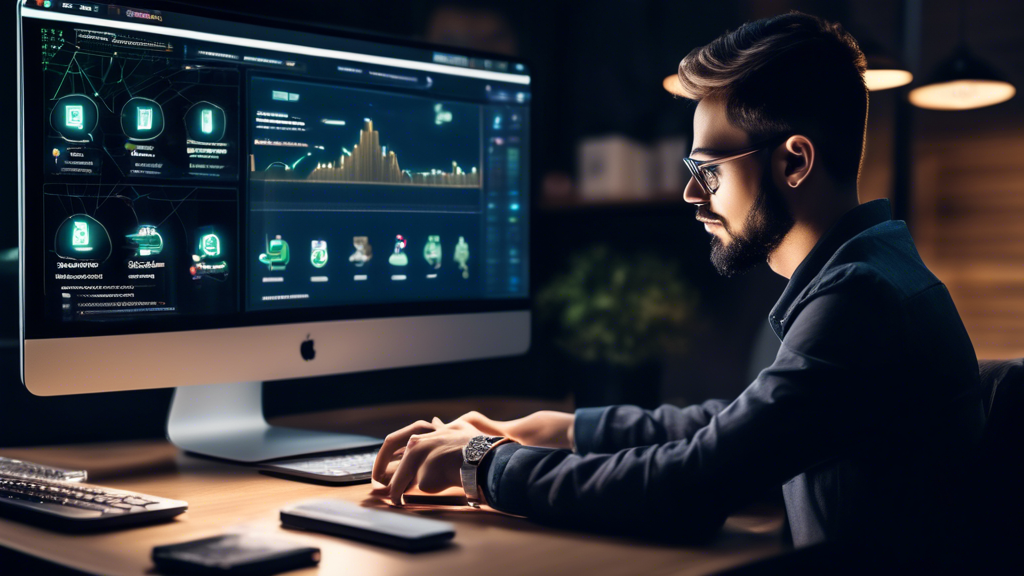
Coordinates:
(793, 73)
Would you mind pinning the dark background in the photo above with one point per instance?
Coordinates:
(598, 67)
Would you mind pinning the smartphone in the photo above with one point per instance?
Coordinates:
(391, 529)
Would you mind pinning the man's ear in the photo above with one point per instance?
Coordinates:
(799, 155)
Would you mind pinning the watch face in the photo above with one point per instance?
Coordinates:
(478, 447)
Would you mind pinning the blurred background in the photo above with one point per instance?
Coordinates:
(628, 307)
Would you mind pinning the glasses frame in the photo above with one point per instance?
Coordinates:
(695, 166)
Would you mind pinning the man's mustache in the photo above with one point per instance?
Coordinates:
(705, 214)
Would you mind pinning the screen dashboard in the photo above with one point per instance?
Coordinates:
(181, 172)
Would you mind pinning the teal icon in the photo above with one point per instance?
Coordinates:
(207, 121)
(142, 119)
(462, 256)
(318, 253)
(398, 257)
(80, 236)
(277, 255)
(208, 260)
(209, 245)
(432, 252)
(441, 116)
(74, 116)
(147, 240)
(145, 117)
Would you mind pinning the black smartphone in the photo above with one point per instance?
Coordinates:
(342, 518)
(234, 554)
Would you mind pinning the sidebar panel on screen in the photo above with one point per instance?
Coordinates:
(140, 191)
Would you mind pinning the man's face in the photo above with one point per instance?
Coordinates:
(747, 216)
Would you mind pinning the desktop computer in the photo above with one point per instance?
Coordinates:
(209, 200)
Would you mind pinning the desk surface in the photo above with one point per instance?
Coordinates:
(224, 497)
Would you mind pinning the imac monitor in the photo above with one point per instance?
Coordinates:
(208, 198)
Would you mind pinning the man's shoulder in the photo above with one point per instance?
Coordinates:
(882, 260)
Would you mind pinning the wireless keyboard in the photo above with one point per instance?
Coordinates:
(351, 468)
(79, 507)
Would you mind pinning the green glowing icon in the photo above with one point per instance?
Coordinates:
(277, 255)
(398, 257)
(441, 116)
(318, 253)
(432, 252)
(74, 116)
(209, 245)
(462, 256)
(145, 118)
(207, 121)
(80, 236)
(147, 240)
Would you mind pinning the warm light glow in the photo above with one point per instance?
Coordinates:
(886, 79)
(962, 94)
(671, 83)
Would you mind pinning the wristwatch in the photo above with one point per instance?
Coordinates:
(472, 455)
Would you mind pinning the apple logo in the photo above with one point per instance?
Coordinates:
(306, 349)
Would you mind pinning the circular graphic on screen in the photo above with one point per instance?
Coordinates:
(82, 237)
(142, 119)
(74, 117)
(205, 122)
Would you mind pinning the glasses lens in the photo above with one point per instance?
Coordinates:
(710, 175)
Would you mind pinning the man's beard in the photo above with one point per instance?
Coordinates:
(766, 225)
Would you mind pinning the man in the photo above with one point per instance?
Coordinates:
(871, 406)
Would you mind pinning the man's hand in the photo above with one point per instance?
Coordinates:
(428, 455)
(429, 458)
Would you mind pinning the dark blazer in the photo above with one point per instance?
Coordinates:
(865, 418)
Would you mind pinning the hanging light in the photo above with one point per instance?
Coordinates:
(884, 72)
(962, 82)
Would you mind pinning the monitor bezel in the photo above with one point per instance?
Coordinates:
(511, 315)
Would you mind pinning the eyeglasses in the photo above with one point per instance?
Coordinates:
(705, 171)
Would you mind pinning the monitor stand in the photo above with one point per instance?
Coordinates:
(226, 421)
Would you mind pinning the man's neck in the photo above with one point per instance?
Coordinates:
(804, 235)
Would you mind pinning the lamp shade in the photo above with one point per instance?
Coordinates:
(883, 72)
(962, 82)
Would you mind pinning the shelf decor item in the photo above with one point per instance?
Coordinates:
(616, 316)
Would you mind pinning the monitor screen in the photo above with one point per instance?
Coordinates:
(182, 172)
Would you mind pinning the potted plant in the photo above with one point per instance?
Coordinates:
(616, 315)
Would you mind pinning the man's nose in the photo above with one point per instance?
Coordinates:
(693, 193)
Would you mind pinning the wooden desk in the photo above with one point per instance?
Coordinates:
(225, 497)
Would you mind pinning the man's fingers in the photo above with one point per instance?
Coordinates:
(407, 469)
(437, 421)
(389, 472)
(393, 442)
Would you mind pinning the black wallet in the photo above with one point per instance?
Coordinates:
(234, 554)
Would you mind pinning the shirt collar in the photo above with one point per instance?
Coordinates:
(849, 225)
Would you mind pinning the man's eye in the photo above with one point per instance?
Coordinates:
(711, 175)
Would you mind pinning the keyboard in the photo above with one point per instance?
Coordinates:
(23, 469)
(79, 507)
(350, 468)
